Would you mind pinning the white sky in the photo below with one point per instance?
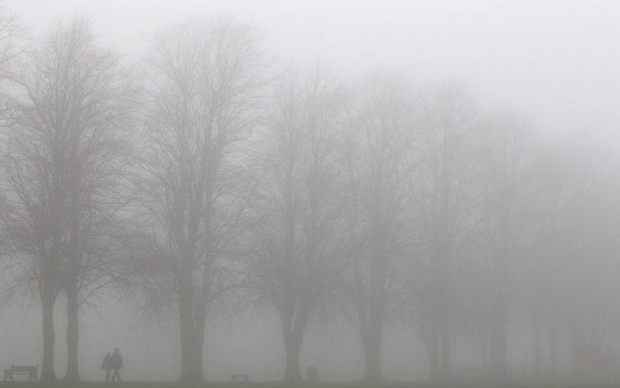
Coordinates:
(556, 61)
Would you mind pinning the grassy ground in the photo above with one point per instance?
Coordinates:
(421, 384)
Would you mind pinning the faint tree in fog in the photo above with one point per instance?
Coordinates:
(379, 163)
(204, 80)
(578, 228)
(544, 273)
(296, 258)
(11, 46)
(12, 39)
(504, 202)
(64, 164)
(447, 165)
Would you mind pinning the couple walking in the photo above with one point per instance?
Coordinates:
(113, 362)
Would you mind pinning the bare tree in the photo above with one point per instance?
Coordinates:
(542, 271)
(11, 46)
(63, 165)
(505, 215)
(379, 165)
(204, 80)
(12, 39)
(576, 226)
(296, 258)
(448, 143)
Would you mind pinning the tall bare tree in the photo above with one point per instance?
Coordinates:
(444, 187)
(297, 255)
(505, 215)
(11, 46)
(379, 164)
(204, 83)
(63, 165)
(576, 218)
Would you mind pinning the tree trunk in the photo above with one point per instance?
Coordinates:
(372, 366)
(376, 311)
(191, 339)
(576, 349)
(431, 342)
(294, 322)
(73, 335)
(371, 340)
(497, 324)
(445, 351)
(292, 348)
(484, 346)
(537, 351)
(191, 358)
(553, 350)
(48, 299)
(498, 348)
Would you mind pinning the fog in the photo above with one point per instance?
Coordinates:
(399, 190)
(554, 60)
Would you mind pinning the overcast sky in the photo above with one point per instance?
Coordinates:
(556, 61)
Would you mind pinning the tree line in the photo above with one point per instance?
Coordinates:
(204, 178)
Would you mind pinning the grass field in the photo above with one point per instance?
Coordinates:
(421, 384)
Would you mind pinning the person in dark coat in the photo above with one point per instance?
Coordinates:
(105, 365)
(116, 363)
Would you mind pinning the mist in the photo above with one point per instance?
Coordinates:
(312, 192)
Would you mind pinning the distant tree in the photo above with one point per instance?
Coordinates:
(505, 211)
(445, 179)
(543, 275)
(12, 39)
(297, 258)
(378, 160)
(203, 81)
(577, 229)
(63, 167)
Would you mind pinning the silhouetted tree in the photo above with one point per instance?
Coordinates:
(505, 190)
(297, 258)
(448, 143)
(203, 80)
(379, 163)
(64, 163)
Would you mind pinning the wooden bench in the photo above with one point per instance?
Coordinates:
(31, 371)
(240, 377)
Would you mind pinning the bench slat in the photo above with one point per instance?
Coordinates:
(21, 368)
(31, 371)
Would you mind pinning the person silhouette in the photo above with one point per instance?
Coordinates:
(105, 365)
(116, 363)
